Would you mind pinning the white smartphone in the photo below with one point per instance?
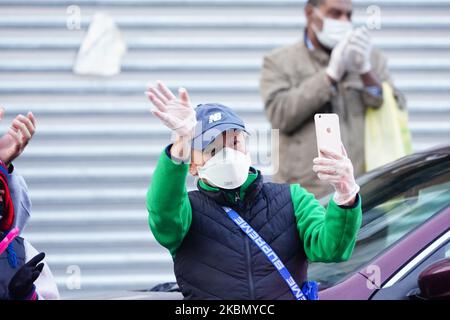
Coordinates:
(328, 133)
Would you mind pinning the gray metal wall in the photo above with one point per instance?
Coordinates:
(92, 159)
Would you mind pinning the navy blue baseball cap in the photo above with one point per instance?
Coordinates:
(212, 120)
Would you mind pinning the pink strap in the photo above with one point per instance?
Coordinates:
(34, 296)
(8, 239)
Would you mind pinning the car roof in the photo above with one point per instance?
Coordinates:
(409, 162)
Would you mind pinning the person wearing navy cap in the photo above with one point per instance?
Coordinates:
(238, 237)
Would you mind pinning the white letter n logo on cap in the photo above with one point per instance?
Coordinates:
(215, 117)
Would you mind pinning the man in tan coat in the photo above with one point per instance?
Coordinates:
(333, 68)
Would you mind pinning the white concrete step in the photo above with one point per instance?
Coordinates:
(172, 65)
(102, 259)
(76, 237)
(114, 109)
(271, 22)
(48, 217)
(121, 280)
(217, 3)
(211, 43)
(188, 56)
(113, 88)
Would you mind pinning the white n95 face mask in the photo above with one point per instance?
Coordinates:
(333, 31)
(228, 169)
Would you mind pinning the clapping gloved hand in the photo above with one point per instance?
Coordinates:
(21, 286)
(175, 113)
(359, 49)
(351, 54)
(337, 169)
(338, 64)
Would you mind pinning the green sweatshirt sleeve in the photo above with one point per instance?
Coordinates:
(168, 205)
(328, 235)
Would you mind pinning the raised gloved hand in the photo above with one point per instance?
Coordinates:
(13, 143)
(337, 169)
(338, 61)
(21, 285)
(359, 49)
(175, 113)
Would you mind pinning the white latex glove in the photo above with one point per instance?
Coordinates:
(337, 169)
(175, 113)
(338, 60)
(21, 131)
(359, 49)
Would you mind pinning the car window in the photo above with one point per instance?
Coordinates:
(389, 220)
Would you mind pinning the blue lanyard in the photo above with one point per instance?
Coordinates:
(270, 254)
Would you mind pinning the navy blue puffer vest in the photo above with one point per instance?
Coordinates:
(218, 261)
(6, 271)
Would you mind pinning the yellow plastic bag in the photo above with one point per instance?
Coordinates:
(387, 136)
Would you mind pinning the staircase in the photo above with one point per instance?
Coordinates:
(91, 160)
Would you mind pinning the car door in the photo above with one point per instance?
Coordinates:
(404, 283)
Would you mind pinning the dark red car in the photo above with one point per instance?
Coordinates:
(403, 247)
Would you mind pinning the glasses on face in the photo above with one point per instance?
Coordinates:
(235, 139)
